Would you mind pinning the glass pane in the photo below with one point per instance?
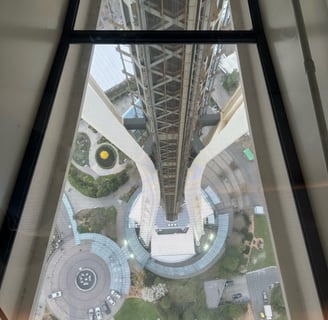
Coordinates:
(163, 214)
(172, 15)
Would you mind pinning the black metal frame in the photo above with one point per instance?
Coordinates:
(70, 36)
(299, 189)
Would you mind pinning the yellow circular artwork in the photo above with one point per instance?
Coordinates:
(104, 154)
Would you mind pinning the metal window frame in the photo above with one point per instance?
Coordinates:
(255, 36)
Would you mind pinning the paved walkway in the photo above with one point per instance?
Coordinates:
(98, 253)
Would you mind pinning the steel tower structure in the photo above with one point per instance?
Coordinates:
(174, 83)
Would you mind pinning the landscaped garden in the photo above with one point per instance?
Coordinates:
(96, 188)
(185, 299)
(81, 149)
(97, 220)
(262, 257)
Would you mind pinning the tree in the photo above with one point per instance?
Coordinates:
(188, 315)
(277, 300)
(232, 311)
(230, 263)
(230, 81)
(165, 303)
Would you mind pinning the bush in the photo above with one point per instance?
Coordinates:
(81, 149)
(246, 219)
(229, 264)
(149, 278)
(277, 300)
(165, 303)
(232, 311)
(230, 81)
(246, 250)
(248, 236)
(101, 187)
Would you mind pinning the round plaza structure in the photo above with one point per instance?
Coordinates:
(106, 156)
(86, 279)
(85, 274)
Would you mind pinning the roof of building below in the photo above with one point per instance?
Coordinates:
(213, 291)
(172, 248)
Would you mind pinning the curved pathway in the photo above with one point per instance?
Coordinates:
(176, 271)
(94, 169)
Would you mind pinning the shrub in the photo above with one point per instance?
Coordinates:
(101, 187)
(230, 81)
(246, 250)
(81, 149)
(248, 236)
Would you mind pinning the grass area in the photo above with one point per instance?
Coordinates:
(96, 188)
(186, 298)
(278, 303)
(97, 220)
(81, 149)
(137, 309)
(261, 258)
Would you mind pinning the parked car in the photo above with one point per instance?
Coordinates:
(98, 313)
(54, 295)
(105, 308)
(90, 313)
(265, 297)
(115, 294)
(110, 301)
(236, 295)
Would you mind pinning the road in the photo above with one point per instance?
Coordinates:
(259, 281)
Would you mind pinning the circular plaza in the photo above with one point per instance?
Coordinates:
(84, 274)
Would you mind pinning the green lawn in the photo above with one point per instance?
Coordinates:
(97, 220)
(264, 257)
(137, 309)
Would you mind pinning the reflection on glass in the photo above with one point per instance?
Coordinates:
(165, 15)
(163, 215)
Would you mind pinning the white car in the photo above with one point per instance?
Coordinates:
(115, 294)
(54, 295)
(90, 314)
(110, 301)
(98, 313)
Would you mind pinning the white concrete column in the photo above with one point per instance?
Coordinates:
(99, 113)
(236, 125)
